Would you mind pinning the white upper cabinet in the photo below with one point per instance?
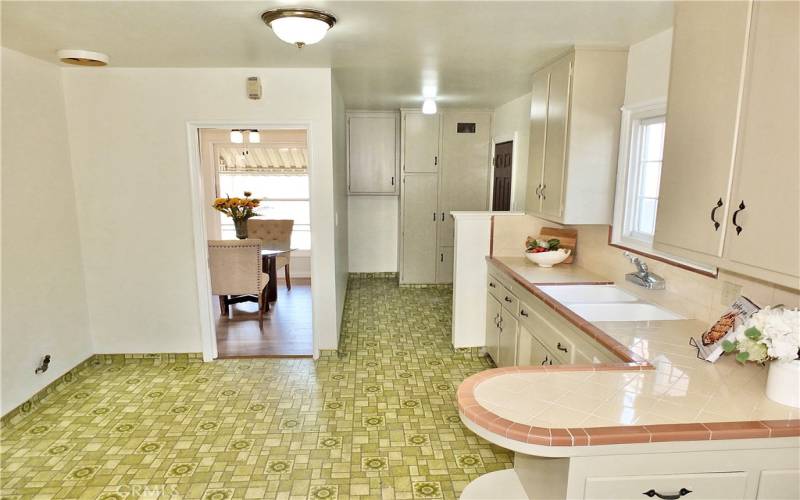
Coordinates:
(373, 153)
(572, 161)
(420, 143)
(705, 77)
(765, 238)
(732, 139)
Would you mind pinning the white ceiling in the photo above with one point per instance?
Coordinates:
(477, 54)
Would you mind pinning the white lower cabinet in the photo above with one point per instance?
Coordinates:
(708, 486)
(493, 309)
(522, 330)
(508, 339)
(779, 485)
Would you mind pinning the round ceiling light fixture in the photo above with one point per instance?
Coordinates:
(300, 27)
(81, 57)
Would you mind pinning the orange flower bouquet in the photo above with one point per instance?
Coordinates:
(238, 209)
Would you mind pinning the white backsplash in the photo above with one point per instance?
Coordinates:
(688, 293)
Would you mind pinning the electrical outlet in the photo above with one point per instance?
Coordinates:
(730, 292)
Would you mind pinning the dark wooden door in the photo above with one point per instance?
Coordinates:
(501, 196)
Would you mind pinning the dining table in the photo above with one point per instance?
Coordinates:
(268, 265)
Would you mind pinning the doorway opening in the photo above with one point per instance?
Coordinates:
(501, 195)
(267, 168)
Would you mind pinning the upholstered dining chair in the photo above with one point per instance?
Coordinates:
(235, 267)
(275, 234)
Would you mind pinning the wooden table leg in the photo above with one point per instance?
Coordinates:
(272, 286)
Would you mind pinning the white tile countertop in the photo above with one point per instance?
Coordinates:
(668, 394)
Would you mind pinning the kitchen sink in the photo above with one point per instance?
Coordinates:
(592, 294)
(632, 311)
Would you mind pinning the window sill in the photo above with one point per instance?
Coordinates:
(648, 252)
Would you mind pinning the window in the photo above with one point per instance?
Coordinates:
(282, 197)
(644, 175)
(638, 180)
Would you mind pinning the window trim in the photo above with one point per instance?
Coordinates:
(631, 116)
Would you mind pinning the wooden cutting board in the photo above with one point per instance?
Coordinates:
(567, 237)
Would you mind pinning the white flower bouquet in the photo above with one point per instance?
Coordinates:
(769, 334)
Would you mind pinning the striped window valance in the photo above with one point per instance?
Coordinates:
(262, 159)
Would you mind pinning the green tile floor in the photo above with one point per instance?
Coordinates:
(379, 421)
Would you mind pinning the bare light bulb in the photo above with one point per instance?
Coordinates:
(237, 137)
(429, 107)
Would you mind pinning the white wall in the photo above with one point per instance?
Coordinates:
(514, 117)
(373, 233)
(44, 307)
(339, 200)
(128, 133)
(648, 68)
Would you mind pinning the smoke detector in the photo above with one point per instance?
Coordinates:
(82, 57)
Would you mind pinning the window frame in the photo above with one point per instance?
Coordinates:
(632, 117)
(299, 252)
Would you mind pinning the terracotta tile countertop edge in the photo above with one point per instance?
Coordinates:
(597, 436)
(589, 329)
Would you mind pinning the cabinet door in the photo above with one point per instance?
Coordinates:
(419, 228)
(707, 52)
(556, 137)
(371, 153)
(530, 352)
(508, 339)
(538, 131)
(420, 143)
(464, 167)
(767, 182)
(779, 485)
(444, 265)
(493, 309)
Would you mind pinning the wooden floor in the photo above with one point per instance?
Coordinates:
(287, 326)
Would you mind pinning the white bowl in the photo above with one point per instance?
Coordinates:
(548, 259)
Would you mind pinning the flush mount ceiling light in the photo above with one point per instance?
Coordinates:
(299, 26)
(82, 57)
(253, 137)
(429, 107)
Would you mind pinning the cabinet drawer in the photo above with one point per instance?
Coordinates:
(495, 288)
(706, 486)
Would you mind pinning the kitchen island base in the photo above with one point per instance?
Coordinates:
(752, 470)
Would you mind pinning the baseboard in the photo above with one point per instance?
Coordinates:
(426, 285)
(82, 369)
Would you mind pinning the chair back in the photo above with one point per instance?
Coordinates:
(235, 267)
(275, 234)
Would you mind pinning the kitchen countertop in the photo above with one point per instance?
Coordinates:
(658, 392)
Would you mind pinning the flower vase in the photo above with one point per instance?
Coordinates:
(783, 382)
(241, 228)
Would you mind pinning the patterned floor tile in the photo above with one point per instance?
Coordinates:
(377, 420)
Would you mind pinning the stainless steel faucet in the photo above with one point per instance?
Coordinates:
(643, 277)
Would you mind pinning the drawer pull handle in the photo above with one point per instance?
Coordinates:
(561, 347)
(545, 361)
(492, 285)
(508, 300)
(523, 313)
(653, 493)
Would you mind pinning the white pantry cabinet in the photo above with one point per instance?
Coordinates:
(373, 153)
(730, 186)
(575, 116)
(445, 167)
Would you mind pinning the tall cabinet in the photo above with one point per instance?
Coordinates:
(730, 182)
(574, 132)
(445, 167)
